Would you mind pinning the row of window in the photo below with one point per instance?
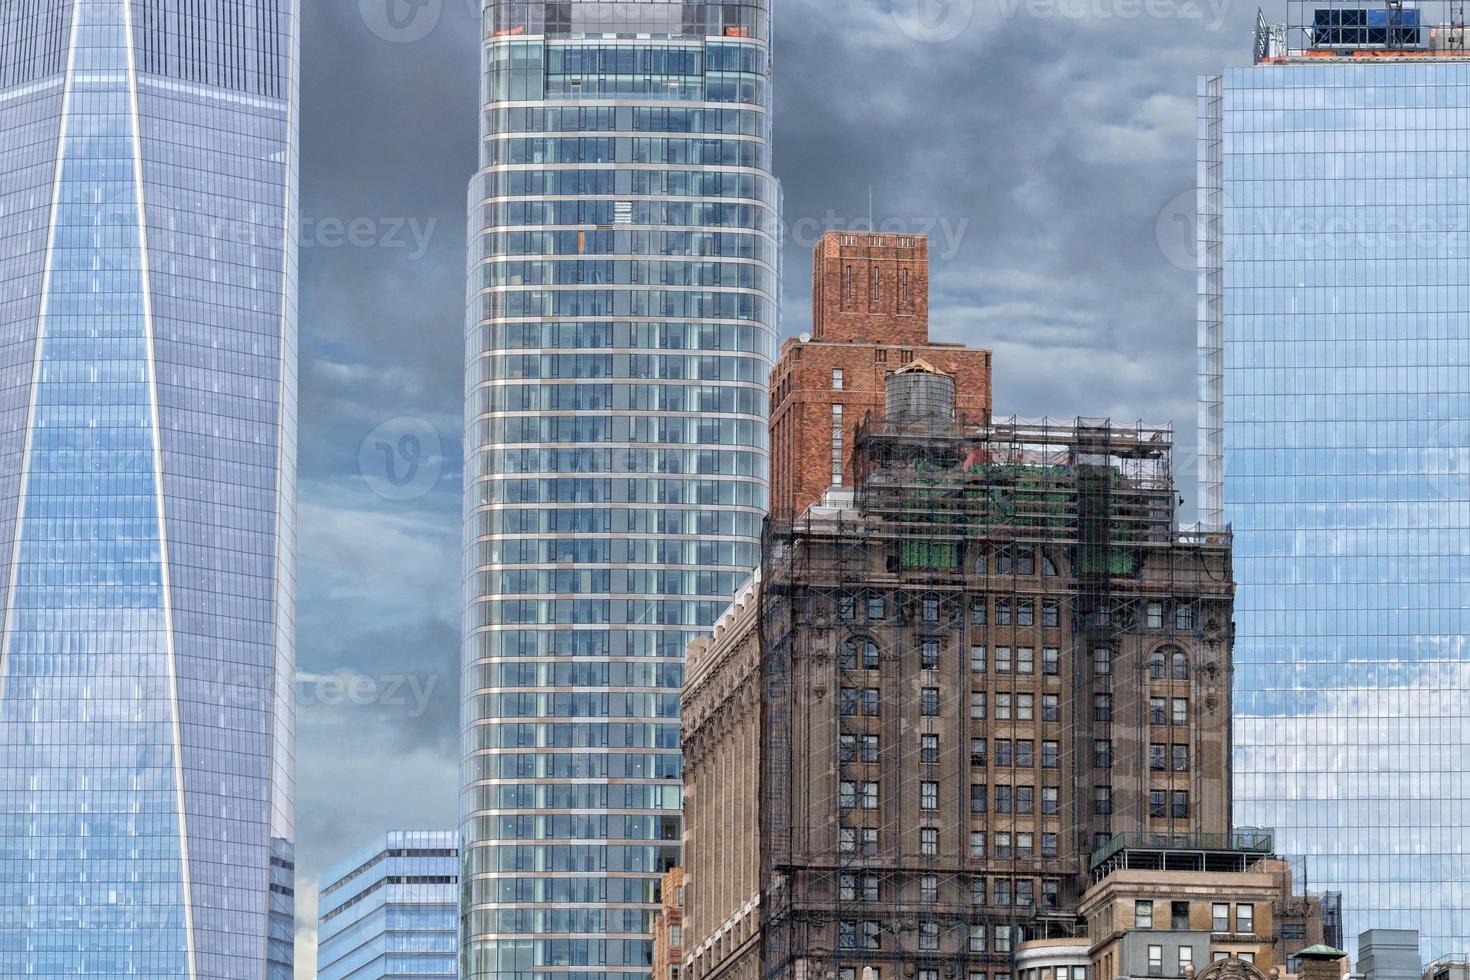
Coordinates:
(1007, 612)
(1220, 921)
(867, 934)
(863, 841)
(863, 652)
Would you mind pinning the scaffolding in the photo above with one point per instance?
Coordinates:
(1363, 30)
(1023, 583)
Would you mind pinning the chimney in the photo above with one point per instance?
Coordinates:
(1321, 963)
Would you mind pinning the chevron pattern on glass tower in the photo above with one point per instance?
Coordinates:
(147, 487)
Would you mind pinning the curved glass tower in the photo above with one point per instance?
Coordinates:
(622, 319)
(147, 487)
(1335, 359)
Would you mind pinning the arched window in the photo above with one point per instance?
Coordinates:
(1179, 666)
(859, 652)
(1156, 665)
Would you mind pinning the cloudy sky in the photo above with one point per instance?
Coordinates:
(1047, 146)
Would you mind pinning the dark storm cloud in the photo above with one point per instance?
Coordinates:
(1043, 144)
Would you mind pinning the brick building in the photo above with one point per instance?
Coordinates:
(668, 927)
(870, 316)
(950, 685)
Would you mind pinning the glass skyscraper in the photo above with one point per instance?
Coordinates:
(623, 295)
(1335, 436)
(147, 487)
(392, 910)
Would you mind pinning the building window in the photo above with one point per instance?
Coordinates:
(874, 289)
(1156, 806)
(977, 609)
(875, 606)
(847, 281)
(928, 975)
(1156, 665)
(977, 798)
(855, 934)
(1003, 707)
(1002, 657)
(928, 748)
(977, 844)
(929, 655)
(1002, 939)
(1245, 919)
(1293, 930)
(1155, 615)
(928, 795)
(977, 660)
(1186, 959)
(1025, 799)
(1002, 891)
(1102, 661)
(855, 887)
(1026, 613)
(1102, 707)
(1181, 758)
(930, 610)
(978, 938)
(1002, 612)
(1102, 800)
(1051, 661)
(1158, 757)
(859, 653)
(1025, 660)
(1156, 961)
(1048, 838)
(837, 379)
(1183, 617)
(1156, 711)
(1025, 753)
(1143, 915)
(1025, 845)
(1049, 795)
(1248, 957)
(1025, 707)
(1179, 713)
(929, 889)
(1003, 844)
(929, 701)
(1051, 893)
(977, 751)
(1050, 751)
(870, 796)
(837, 445)
(1025, 892)
(1219, 917)
(1102, 753)
(977, 704)
(1003, 752)
(1051, 613)
(929, 841)
(1050, 707)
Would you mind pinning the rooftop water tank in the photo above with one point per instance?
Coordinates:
(919, 394)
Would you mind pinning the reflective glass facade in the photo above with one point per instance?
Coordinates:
(1335, 358)
(392, 910)
(147, 487)
(623, 299)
